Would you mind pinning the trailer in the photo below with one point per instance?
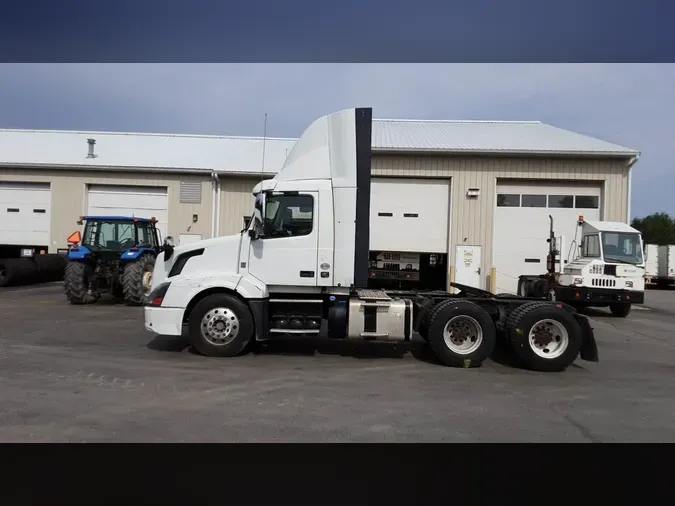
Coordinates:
(666, 266)
(304, 266)
(607, 269)
(651, 265)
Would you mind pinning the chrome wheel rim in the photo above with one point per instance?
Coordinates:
(463, 335)
(220, 326)
(548, 339)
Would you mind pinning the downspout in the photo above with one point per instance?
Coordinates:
(217, 206)
(214, 194)
(630, 186)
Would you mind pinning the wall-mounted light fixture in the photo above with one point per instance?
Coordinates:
(195, 217)
(472, 193)
(90, 153)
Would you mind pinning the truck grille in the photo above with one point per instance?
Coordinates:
(603, 282)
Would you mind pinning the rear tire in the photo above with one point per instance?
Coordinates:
(620, 310)
(76, 283)
(220, 325)
(461, 333)
(133, 280)
(545, 337)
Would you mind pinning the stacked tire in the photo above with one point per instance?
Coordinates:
(17, 271)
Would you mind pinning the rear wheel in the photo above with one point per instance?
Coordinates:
(620, 310)
(137, 280)
(545, 337)
(461, 333)
(76, 281)
(220, 325)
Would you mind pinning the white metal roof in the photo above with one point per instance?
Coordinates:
(42, 148)
(514, 137)
(244, 155)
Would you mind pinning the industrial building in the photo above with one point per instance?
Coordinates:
(483, 190)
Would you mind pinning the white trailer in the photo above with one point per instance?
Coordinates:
(305, 266)
(666, 266)
(651, 264)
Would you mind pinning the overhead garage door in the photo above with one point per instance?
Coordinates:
(522, 225)
(139, 201)
(409, 215)
(25, 214)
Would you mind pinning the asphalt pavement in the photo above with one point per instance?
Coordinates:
(93, 374)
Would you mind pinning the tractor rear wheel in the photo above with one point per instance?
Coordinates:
(76, 283)
(137, 279)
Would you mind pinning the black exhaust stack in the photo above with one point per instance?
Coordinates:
(364, 127)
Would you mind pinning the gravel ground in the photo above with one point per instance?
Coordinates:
(92, 373)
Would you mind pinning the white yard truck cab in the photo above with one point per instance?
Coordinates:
(607, 269)
(303, 267)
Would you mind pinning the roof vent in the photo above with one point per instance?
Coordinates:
(91, 143)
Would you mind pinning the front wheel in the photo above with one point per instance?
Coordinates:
(620, 310)
(461, 333)
(545, 337)
(137, 280)
(220, 325)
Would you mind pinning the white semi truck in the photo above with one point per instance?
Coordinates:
(303, 266)
(607, 269)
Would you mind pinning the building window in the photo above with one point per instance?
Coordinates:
(289, 215)
(587, 202)
(508, 200)
(534, 201)
(561, 201)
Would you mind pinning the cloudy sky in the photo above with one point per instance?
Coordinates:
(631, 105)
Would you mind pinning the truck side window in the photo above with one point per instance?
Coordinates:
(591, 246)
(289, 215)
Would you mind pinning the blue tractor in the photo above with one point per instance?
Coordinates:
(114, 254)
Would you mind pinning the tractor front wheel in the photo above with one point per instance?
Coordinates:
(137, 279)
(76, 283)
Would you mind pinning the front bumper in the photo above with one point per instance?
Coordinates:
(166, 321)
(599, 296)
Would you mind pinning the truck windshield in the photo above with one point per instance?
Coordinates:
(622, 247)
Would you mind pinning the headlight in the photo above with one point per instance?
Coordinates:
(156, 297)
(578, 281)
(629, 284)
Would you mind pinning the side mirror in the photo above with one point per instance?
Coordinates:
(168, 247)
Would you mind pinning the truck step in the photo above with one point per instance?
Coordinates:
(372, 294)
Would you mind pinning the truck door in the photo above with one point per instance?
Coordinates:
(287, 252)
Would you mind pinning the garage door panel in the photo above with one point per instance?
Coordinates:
(139, 201)
(409, 215)
(25, 214)
(521, 232)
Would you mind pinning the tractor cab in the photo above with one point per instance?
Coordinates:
(114, 237)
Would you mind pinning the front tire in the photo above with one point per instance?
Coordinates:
(136, 280)
(620, 310)
(220, 325)
(545, 337)
(76, 283)
(461, 333)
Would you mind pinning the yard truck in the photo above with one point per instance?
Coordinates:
(303, 267)
(607, 268)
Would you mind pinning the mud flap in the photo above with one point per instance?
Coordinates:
(589, 349)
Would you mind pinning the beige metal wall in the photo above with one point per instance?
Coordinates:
(236, 201)
(471, 220)
(69, 190)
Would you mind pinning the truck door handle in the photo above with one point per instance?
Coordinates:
(306, 274)
(478, 271)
